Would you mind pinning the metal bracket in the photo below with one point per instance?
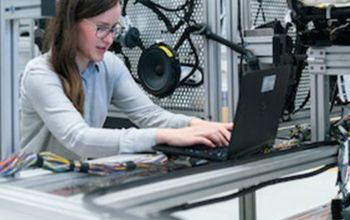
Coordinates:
(317, 53)
(317, 68)
(317, 61)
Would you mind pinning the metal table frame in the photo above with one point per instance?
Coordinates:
(154, 197)
(323, 62)
(149, 199)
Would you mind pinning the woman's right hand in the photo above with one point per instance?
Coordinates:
(210, 134)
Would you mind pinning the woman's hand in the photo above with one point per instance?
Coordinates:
(222, 132)
(199, 132)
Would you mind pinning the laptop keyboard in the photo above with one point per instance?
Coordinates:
(203, 151)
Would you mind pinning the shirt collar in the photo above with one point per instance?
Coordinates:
(94, 65)
(97, 67)
(90, 67)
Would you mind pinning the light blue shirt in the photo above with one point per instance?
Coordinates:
(50, 122)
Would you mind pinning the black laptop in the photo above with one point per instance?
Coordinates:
(261, 100)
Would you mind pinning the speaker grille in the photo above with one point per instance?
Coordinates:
(185, 99)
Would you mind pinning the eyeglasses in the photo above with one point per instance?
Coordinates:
(103, 30)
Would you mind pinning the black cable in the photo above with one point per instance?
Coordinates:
(125, 4)
(196, 64)
(299, 55)
(188, 14)
(39, 161)
(260, 9)
(288, 26)
(170, 27)
(239, 27)
(198, 68)
(333, 96)
(186, 19)
(185, 36)
(303, 104)
(179, 8)
(242, 192)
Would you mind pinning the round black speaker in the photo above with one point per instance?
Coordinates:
(159, 70)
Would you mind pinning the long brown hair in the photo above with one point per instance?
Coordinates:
(61, 39)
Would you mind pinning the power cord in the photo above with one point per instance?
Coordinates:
(245, 191)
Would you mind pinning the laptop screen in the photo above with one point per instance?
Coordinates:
(260, 105)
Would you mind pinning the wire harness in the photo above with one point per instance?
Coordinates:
(50, 161)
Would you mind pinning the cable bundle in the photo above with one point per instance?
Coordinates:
(17, 162)
(115, 167)
(58, 164)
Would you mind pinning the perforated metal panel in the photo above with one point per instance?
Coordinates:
(184, 99)
(277, 9)
(271, 8)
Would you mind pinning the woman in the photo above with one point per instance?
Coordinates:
(65, 93)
